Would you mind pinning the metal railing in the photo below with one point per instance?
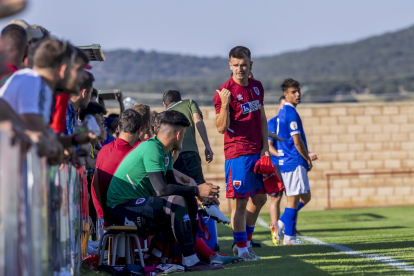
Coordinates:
(42, 219)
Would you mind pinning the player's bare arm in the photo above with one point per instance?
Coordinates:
(300, 146)
(223, 118)
(272, 149)
(265, 134)
(201, 127)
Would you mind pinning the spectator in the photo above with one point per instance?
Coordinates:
(111, 155)
(29, 92)
(145, 112)
(98, 111)
(81, 100)
(14, 42)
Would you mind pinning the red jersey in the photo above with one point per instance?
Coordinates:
(244, 135)
(109, 157)
(58, 123)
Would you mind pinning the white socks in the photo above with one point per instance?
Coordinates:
(249, 244)
(242, 250)
(190, 260)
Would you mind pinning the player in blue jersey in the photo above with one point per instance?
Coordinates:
(275, 199)
(294, 161)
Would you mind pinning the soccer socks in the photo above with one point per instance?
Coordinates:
(250, 231)
(240, 238)
(289, 219)
(300, 205)
(202, 248)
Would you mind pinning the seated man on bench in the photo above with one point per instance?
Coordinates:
(145, 191)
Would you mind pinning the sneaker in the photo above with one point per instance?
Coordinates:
(251, 252)
(214, 212)
(201, 266)
(273, 232)
(223, 260)
(247, 257)
(280, 227)
(293, 241)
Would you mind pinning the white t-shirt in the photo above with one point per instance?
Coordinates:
(27, 93)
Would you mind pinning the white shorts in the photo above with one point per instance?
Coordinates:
(296, 182)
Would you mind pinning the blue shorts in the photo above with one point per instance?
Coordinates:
(241, 180)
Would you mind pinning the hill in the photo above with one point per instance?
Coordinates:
(378, 65)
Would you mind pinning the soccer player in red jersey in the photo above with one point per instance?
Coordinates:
(111, 155)
(240, 116)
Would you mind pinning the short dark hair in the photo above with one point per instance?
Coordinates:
(93, 109)
(240, 52)
(51, 53)
(155, 123)
(87, 84)
(173, 118)
(130, 121)
(94, 93)
(287, 83)
(15, 35)
(171, 96)
(281, 99)
(144, 110)
(114, 115)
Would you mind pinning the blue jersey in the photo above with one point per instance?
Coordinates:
(272, 127)
(290, 124)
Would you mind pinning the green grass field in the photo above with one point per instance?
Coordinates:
(388, 232)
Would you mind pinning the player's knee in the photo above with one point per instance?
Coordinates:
(241, 204)
(306, 198)
(259, 200)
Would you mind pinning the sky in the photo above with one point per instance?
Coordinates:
(213, 27)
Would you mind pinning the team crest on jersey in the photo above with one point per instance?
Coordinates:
(237, 184)
(139, 201)
(167, 161)
(250, 106)
(256, 90)
(239, 97)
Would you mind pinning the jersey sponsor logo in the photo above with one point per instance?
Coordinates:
(280, 153)
(256, 90)
(250, 106)
(167, 161)
(293, 125)
(139, 201)
(237, 184)
(281, 162)
(186, 217)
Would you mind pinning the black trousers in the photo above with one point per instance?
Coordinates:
(157, 214)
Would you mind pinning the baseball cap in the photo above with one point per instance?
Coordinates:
(31, 32)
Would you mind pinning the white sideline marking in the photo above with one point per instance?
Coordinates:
(262, 223)
(349, 251)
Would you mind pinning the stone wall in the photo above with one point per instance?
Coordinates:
(349, 138)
